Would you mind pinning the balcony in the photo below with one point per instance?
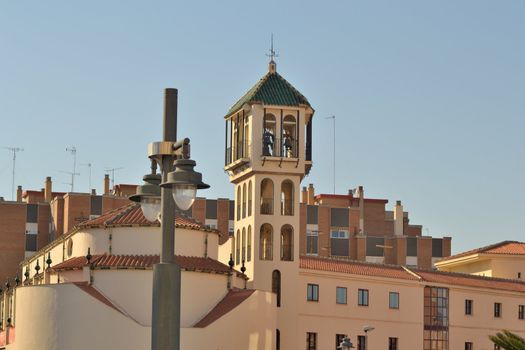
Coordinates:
(267, 206)
(284, 148)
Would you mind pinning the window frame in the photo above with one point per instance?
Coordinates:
(498, 308)
(521, 312)
(390, 306)
(363, 297)
(393, 343)
(469, 307)
(469, 345)
(343, 289)
(311, 337)
(312, 292)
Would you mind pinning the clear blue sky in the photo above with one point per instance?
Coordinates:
(428, 95)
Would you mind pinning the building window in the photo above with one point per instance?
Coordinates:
(339, 242)
(289, 142)
(393, 300)
(249, 252)
(287, 198)
(269, 135)
(238, 202)
(392, 343)
(243, 201)
(521, 312)
(338, 340)
(277, 339)
(266, 243)
(250, 195)
(287, 243)
(312, 239)
(469, 346)
(276, 285)
(361, 342)
(340, 295)
(468, 307)
(312, 292)
(497, 309)
(362, 297)
(435, 318)
(238, 248)
(243, 254)
(267, 197)
(311, 341)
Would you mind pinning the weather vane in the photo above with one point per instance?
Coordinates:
(272, 53)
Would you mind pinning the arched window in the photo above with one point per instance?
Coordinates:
(233, 245)
(287, 200)
(267, 197)
(243, 256)
(249, 252)
(276, 285)
(266, 242)
(243, 201)
(238, 203)
(287, 243)
(238, 248)
(250, 195)
(246, 146)
(289, 142)
(268, 136)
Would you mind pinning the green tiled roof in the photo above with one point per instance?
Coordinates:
(272, 89)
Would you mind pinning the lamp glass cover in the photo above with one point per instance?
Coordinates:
(150, 208)
(184, 196)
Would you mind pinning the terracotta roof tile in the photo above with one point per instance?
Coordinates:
(505, 247)
(131, 215)
(461, 279)
(355, 267)
(104, 261)
(233, 299)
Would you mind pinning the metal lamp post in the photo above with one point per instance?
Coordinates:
(367, 329)
(177, 186)
(346, 344)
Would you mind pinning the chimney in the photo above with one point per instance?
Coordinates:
(311, 194)
(106, 184)
(48, 194)
(398, 219)
(304, 195)
(361, 195)
(93, 192)
(19, 194)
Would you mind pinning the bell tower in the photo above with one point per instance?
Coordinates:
(268, 152)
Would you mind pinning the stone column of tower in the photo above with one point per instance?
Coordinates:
(268, 153)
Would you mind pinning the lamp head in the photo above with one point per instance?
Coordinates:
(148, 195)
(184, 182)
(367, 329)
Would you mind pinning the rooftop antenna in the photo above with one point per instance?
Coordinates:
(333, 160)
(15, 150)
(112, 170)
(272, 53)
(73, 151)
(89, 167)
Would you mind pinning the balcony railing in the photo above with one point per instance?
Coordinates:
(239, 150)
(286, 148)
(267, 206)
(286, 207)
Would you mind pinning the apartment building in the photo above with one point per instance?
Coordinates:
(38, 217)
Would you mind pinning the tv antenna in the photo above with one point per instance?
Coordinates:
(272, 53)
(89, 167)
(15, 150)
(333, 117)
(112, 171)
(73, 151)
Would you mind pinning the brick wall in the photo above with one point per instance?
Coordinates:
(12, 238)
(424, 252)
(44, 217)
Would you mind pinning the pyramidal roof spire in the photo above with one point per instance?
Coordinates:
(272, 66)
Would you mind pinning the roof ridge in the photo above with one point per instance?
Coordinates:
(471, 276)
(353, 261)
(479, 250)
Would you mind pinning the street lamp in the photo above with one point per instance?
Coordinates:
(175, 186)
(346, 344)
(367, 329)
